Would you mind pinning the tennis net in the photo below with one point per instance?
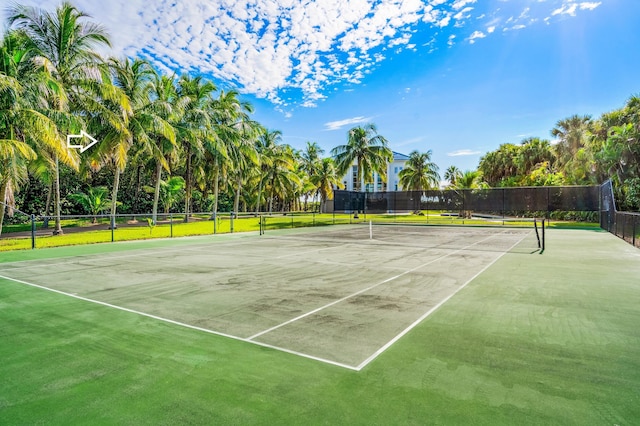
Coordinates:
(521, 235)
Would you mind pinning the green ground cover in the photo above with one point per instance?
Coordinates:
(541, 339)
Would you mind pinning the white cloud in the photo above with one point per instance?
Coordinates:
(337, 125)
(476, 34)
(589, 5)
(463, 152)
(296, 50)
(570, 7)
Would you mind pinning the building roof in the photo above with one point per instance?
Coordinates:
(398, 156)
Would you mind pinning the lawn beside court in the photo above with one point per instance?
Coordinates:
(549, 339)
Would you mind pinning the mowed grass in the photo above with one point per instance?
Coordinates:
(535, 339)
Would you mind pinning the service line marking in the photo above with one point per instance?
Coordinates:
(335, 302)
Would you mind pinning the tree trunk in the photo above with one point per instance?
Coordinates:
(259, 197)
(236, 202)
(3, 206)
(58, 226)
(47, 206)
(216, 188)
(114, 196)
(156, 194)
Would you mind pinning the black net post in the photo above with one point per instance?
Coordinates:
(113, 227)
(33, 232)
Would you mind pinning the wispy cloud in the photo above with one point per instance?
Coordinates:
(339, 124)
(570, 7)
(463, 153)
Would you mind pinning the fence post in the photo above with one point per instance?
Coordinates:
(33, 232)
(231, 216)
(171, 225)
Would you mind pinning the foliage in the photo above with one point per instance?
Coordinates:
(94, 201)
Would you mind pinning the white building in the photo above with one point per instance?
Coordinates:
(378, 184)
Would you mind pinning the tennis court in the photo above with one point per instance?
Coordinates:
(339, 294)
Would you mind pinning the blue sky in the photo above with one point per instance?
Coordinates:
(458, 77)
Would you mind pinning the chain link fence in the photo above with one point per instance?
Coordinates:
(625, 225)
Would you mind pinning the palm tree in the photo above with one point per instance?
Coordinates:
(64, 43)
(95, 200)
(14, 155)
(452, 174)
(309, 163)
(268, 151)
(419, 172)
(152, 108)
(22, 124)
(572, 134)
(170, 192)
(367, 149)
(226, 110)
(193, 127)
(325, 179)
(470, 179)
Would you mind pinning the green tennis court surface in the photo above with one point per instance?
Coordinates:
(442, 325)
(339, 295)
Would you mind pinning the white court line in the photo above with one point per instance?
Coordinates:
(335, 302)
(430, 311)
(181, 324)
(137, 252)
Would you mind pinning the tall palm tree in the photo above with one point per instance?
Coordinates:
(14, 155)
(193, 127)
(281, 180)
(150, 124)
(419, 172)
(226, 110)
(23, 125)
(325, 179)
(452, 174)
(367, 149)
(64, 43)
(267, 149)
(574, 134)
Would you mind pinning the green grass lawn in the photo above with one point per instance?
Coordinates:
(535, 339)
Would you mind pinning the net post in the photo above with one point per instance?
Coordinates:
(543, 234)
(33, 232)
(535, 227)
(113, 226)
(370, 230)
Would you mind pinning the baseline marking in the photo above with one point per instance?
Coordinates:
(181, 324)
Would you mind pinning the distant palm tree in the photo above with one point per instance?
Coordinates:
(452, 174)
(419, 172)
(470, 179)
(325, 179)
(367, 149)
